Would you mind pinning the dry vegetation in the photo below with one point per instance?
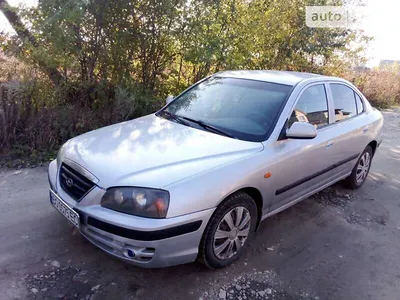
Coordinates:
(381, 87)
(35, 129)
(94, 63)
(32, 130)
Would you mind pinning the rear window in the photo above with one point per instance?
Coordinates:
(359, 102)
(344, 102)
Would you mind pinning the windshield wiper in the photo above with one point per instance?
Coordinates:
(209, 127)
(174, 117)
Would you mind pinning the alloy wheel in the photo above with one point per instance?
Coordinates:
(232, 232)
(363, 167)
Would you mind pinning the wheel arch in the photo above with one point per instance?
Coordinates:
(253, 193)
(373, 145)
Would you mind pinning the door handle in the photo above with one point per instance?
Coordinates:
(329, 144)
(366, 128)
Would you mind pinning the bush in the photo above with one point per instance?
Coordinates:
(380, 87)
(36, 118)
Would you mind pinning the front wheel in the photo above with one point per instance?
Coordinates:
(360, 170)
(232, 223)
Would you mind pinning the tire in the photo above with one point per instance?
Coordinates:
(220, 250)
(356, 179)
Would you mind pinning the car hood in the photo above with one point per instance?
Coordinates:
(152, 152)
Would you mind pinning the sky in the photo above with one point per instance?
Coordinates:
(380, 20)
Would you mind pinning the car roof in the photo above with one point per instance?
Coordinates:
(281, 77)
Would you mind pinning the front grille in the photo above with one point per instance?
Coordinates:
(74, 183)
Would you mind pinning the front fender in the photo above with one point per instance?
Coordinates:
(208, 189)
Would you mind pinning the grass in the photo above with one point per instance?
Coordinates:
(19, 158)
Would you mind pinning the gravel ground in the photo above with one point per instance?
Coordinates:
(338, 244)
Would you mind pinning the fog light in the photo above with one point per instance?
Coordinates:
(129, 253)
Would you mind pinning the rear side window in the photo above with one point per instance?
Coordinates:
(359, 103)
(344, 102)
(312, 107)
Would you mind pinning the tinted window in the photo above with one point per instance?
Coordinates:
(343, 101)
(246, 109)
(312, 107)
(360, 107)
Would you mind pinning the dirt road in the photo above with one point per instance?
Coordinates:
(338, 244)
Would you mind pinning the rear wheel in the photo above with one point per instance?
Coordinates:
(360, 170)
(228, 230)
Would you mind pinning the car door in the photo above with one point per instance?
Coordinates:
(303, 165)
(351, 131)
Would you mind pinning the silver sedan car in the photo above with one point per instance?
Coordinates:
(195, 179)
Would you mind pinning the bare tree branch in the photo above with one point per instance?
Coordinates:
(24, 34)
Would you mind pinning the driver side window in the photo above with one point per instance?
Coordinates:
(312, 107)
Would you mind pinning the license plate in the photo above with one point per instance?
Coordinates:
(63, 208)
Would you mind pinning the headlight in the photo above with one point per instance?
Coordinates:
(144, 202)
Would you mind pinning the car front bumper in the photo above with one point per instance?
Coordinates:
(151, 248)
(150, 243)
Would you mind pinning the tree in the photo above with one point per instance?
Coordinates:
(27, 38)
(163, 46)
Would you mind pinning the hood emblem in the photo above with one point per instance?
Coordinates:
(69, 182)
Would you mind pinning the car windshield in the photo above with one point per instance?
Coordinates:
(240, 108)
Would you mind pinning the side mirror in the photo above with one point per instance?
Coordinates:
(301, 130)
(169, 99)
